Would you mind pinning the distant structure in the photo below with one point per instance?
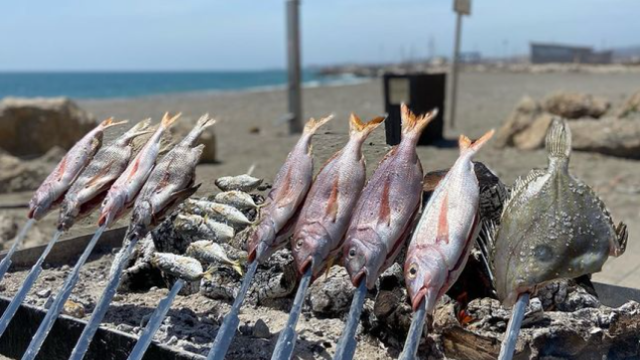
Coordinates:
(542, 53)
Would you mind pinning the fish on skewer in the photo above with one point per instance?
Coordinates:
(324, 217)
(169, 184)
(49, 194)
(123, 192)
(275, 222)
(443, 238)
(382, 218)
(82, 198)
(553, 226)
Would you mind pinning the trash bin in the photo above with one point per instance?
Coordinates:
(421, 92)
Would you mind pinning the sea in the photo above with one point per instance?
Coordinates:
(107, 85)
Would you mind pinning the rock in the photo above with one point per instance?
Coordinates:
(208, 138)
(35, 125)
(519, 120)
(331, 295)
(74, 309)
(8, 231)
(576, 105)
(44, 293)
(533, 137)
(630, 107)
(261, 330)
(609, 136)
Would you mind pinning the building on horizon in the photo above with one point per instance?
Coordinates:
(544, 53)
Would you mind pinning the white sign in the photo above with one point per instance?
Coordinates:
(462, 6)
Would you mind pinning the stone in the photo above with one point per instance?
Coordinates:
(525, 113)
(331, 294)
(534, 136)
(576, 105)
(631, 107)
(44, 293)
(261, 330)
(609, 136)
(73, 308)
(208, 138)
(32, 126)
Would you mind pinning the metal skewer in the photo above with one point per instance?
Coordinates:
(513, 329)
(26, 286)
(415, 333)
(6, 261)
(155, 321)
(61, 298)
(287, 339)
(347, 343)
(101, 309)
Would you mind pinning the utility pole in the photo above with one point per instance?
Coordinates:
(461, 7)
(293, 66)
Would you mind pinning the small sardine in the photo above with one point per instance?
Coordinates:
(208, 228)
(244, 183)
(210, 252)
(221, 212)
(238, 199)
(182, 267)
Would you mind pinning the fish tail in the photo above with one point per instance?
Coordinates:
(313, 125)
(412, 124)
(361, 129)
(167, 120)
(141, 126)
(107, 123)
(237, 267)
(205, 121)
(558, 141)
(466, 145)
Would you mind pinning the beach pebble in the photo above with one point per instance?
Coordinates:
(44, 293)
(261, 330)
(74, 309)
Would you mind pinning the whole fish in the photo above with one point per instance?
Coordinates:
(238, 199)
(171, 181)
(204, 226)
(441, 242)
(123, 192)
(92, 184)
(287, 194)
(219, 212)
(383, 215)
(52, 190)
(326, 211)
(182, 267)
(244, 183)
(208, 251)
(553, 226)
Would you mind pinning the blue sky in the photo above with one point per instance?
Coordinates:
(249, 34)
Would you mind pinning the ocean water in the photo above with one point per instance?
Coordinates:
(100, 85)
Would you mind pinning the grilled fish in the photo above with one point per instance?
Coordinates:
(210, 252)
(238, 199)
(204, 226)
(244, 183)
(52, 190)
(326, 211)
(383, 215)
(182, 267)
(445, 234)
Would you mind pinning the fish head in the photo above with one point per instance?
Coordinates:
(262, 237)
(424, 276)
(307, 249)
(112, 207)
(141, 219)
(41, 202)
(69, 211)
(362, 258)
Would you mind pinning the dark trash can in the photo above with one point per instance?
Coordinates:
(421, 92)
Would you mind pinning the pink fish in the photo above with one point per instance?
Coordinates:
(328, 207)
(444, 236)
(384, 213)
(88, 191)
(289, 190)
(123, 192)
(171, 181)
(52, 190)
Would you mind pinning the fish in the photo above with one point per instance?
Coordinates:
(384, 213)
(171, 181)
(238, 199)
(88, 191)
(220, 212)
(327, 210)
(123, 192)
(446, 231)
(183, 267)
(204, 226)
(210, 252)
(51, 192)
(286, 195)
(553, 226)
(244, 183)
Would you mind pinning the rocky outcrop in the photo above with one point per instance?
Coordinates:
(17, 175)
(631, 107)
(34, 126)
(610, 136)
(576, 105)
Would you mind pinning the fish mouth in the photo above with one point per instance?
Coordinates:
(103, 219)
(359, 276)
(417, 300)
(307, 263)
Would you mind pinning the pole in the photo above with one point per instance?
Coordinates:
(293, 66)
(454, 71)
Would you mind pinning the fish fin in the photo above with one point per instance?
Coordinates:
(184, 194)
(237, 267)
(486, 244)
(205, 121)
(141, 125)
(313, 125)
(412, 124)
(107, 123)
(622, 235)
(251, 169)
(385, 208)
(167, 120)
(432, 179)
(361, 129)
(519, 185)
(61, 167)
(558, 140)
(442, 234)
(332, 204)
(100, 174)
(466, 145)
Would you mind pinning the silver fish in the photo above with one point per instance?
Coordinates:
(238, 199)
(206, 227)
(244, 183)
(210, 252)
(221, 212)
(182, 267)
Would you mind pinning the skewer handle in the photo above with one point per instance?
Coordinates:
(6, 261)
(513, 329)
(287, 339)
(347, 343)
(231, 321)
(415, 333)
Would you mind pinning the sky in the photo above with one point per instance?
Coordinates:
(77, 35)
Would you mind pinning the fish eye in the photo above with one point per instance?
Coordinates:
(299, 243)
(352, 252)
(413, 271)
